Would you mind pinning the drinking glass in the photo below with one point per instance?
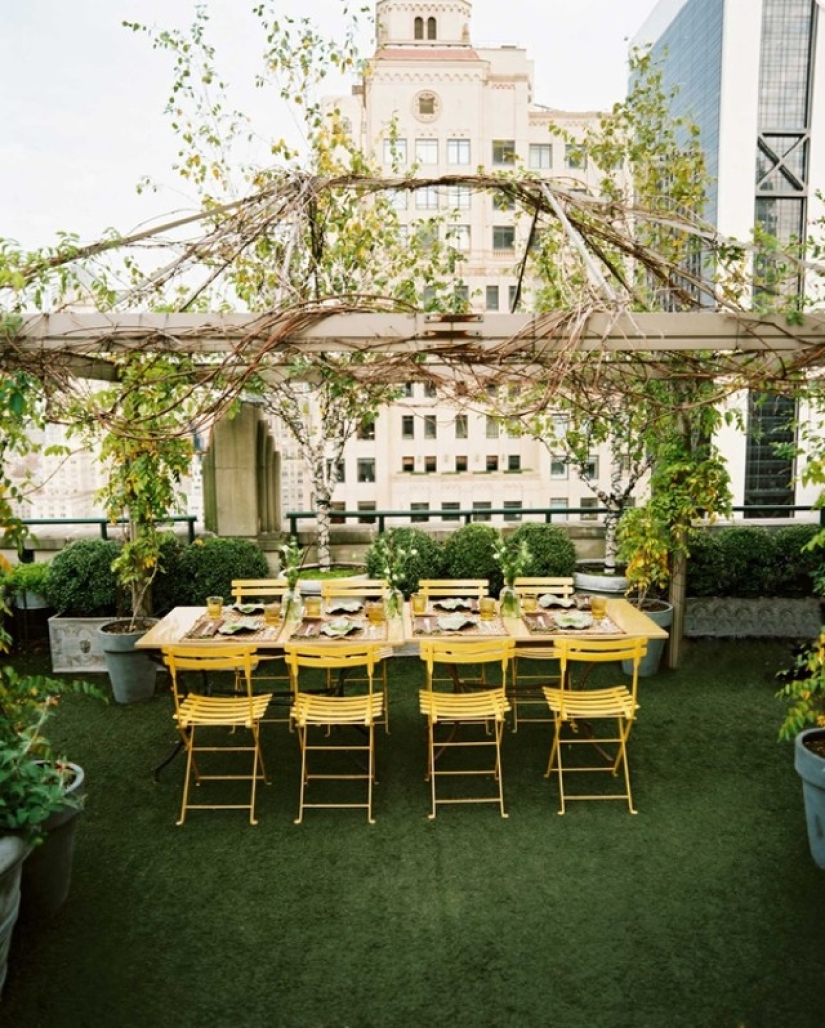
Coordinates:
(272, 613)
(487, 608)
(214, 606)
(528, 604)
(419, 604)
(312, 606)
(375, 613)
(598, 607)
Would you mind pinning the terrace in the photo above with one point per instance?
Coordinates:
(705, 909)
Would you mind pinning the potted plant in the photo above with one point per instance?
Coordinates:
(84, 593)
(423, 557)
(645, 545)
(393, 559)
(41, 793)
(803, 689)
(292, 560)
(28, 583)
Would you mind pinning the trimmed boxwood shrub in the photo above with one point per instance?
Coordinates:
(428, 561)
(207, 567)
(750, 561)
(552, 551)
(81, 582)
(468, 553)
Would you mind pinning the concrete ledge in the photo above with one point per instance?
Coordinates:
(753, 618)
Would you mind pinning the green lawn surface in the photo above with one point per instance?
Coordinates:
(703, 911)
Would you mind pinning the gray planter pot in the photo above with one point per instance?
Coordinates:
(811, 769)
(47, 872)
(589, 581)
(662, 614)
(12, 854)
(132, 672)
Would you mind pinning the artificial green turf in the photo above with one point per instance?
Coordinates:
(705, 909)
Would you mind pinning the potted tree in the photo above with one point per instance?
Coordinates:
(803, 690)
(146, 452)
(645, 545)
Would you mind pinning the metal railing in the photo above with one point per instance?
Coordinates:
(371, 517)
(105, 523)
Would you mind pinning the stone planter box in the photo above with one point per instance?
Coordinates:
(75, 645)
(759, 617)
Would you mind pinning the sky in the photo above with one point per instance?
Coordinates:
(82, 99)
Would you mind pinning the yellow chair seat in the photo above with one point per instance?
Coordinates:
(483, 705)
(311, 709)
(613, 702)
(221, 710)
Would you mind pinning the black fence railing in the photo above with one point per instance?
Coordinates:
(548, 514)
(105, 524)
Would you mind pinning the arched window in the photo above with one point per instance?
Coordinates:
(418, 30)
(431, 28)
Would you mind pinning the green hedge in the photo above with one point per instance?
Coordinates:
(207, 567)
(747, 561)
(426, 562)
(468, 553)
(552, 552)
(81, 582)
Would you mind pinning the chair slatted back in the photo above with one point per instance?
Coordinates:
(598, 651)
(561, 586)
(258, 589)
(466, 588)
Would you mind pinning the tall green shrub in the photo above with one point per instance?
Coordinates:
(469, 553)
(208, 566)
(552, 551)
(81, 582)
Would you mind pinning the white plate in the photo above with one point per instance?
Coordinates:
(455, 604)
(454, 622)
(348, 606)
(548, 600)
(575, 619)
(339, 627)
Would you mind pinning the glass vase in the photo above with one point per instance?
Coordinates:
(395, 604)
(292, 604)
(509, 605)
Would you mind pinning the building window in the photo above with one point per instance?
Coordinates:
(504, 151)
(575, 157)
(366, 469)
(333, 518)
(426, 198)
(461, 463)
(558, 503)
(399, 199)
(459, 197)
(512, 296)
(558, 467)
(458, 151)
(395, 151)
(339, 471)
(479, 506)
(492, 298)
(514, 462)
(407, 426)
(430, 426)
(408, 388)
(408, 465)
(431, 28)
(590, 470)
(418, 28)
(492, 427)
(429, 390)
(427, 104)
(430, 465)
(366, 430)
(504, 237)
(492, 462)
(588, 501)
(419, 506)
(459, 236)
(540, 156)
(426, 151)
(450, 506)
(461, 426)
(365, 505)
(503, 202)
(512, 510)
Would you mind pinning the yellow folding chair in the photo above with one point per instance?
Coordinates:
(435, 589)
(478, 708)
(268, 669)
(323, 711)
(365, 590)
(201, 711)
(579, 713)
(535, 666)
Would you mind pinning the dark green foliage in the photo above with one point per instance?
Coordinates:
(551, 549)
(427, 560)
(704, 566)
(81, 582)
(797, 567)
(746, 561)
(468, 553)
(208, 566)
(166, 588)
